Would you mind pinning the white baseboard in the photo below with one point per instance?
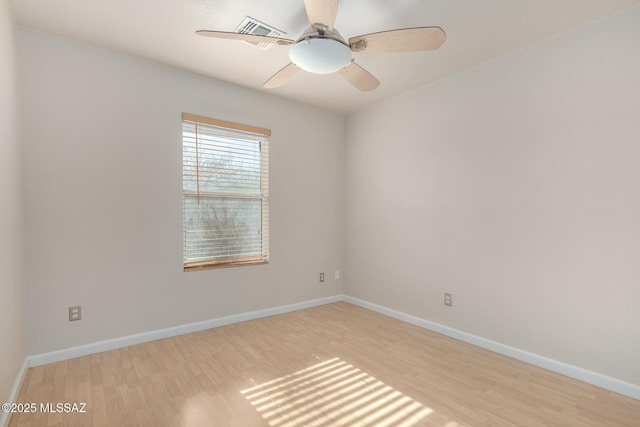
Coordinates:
(97, 347)
(600, 380)
(13, 396)
(597, 379)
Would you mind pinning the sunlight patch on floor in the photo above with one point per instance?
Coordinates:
(333, 393)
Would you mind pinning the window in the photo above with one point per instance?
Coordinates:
(225, 186)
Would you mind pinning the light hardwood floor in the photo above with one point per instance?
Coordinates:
(334, 365)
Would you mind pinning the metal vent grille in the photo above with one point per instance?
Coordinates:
(250, 25)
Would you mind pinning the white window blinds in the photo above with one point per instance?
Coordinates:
(225, 182)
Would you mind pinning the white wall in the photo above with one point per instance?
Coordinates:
(102, 143)
(516, 187)
(12, 284)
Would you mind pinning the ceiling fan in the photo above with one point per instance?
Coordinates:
(322, 50)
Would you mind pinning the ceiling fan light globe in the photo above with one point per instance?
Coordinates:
(320, 55)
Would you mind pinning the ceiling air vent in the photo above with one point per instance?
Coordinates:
(250, 25)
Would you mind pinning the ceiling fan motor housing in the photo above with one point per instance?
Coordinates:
(321, 53)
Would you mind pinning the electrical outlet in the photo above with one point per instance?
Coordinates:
(448, 299)
(322, 277)
(75, 313)
(336, 275)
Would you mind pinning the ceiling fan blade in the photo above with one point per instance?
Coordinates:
(403, 40)
(359, 77)
(322, 12)
(282, 76)
(251, 38)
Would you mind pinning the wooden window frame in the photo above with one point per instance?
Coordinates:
(231, 261)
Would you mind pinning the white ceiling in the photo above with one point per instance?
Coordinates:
(163, 31)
